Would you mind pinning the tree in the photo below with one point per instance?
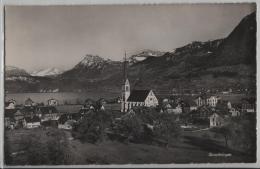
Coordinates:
(130, 127)
(166, 127)
(92, 127)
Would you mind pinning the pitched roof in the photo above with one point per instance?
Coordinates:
(138, 95)
(205, 96)
(28, 100)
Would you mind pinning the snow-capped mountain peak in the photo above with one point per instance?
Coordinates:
(47, 72)
(93, 61)
(144, 54)
(90, 60)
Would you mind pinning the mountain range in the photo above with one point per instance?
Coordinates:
(221, 63)
(46, 72)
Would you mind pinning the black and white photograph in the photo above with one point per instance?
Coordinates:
(121, 84)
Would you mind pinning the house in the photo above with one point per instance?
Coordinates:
(193, 106)
(31, 122)
(200, 100)
(101, 104)
(169, 108)
(68, 125)
(65, 117)
(212, 101)
(28, 102)
(216, 120)
(207, 100)
(234, 112)
(248, 105)
(229, 105)
(10, 104)
(52, 102)
(223, 106)
(18, 117)
(177, 109)
(203, 112)
(48, 113)
(89, 105)
(137, 98)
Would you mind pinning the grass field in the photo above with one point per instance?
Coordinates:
(191, 147)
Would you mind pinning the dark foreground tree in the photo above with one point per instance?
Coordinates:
(92, 128)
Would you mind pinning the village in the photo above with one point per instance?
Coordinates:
(191, 111)
(206, 120)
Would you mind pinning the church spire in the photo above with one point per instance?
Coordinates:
(124, 69)
(125, 87)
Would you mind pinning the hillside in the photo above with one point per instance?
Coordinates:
(223, 63)
(15, 71)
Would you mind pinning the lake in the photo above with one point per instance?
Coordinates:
(69, 97)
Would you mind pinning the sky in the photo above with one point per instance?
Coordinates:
(39, 37)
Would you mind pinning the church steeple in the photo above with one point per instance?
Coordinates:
(125, 87)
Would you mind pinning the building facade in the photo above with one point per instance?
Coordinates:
(204, 100)
(52, 102)
(137, 98)
(216, 120)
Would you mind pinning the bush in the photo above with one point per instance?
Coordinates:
(131, 128)
(92, 128)
(166, 128)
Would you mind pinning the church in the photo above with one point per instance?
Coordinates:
(136, 98)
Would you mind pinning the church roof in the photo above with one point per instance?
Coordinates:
(138, 95)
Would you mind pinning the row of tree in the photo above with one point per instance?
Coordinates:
(142, 125)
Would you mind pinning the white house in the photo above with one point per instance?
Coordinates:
(234, 112)
(137, 98)
(216, 120)
(52, 102)
(32, 122)
(205, 100)
(212, 101)
(200, 101)
(10, 104)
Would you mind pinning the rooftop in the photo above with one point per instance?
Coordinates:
(138, 95)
